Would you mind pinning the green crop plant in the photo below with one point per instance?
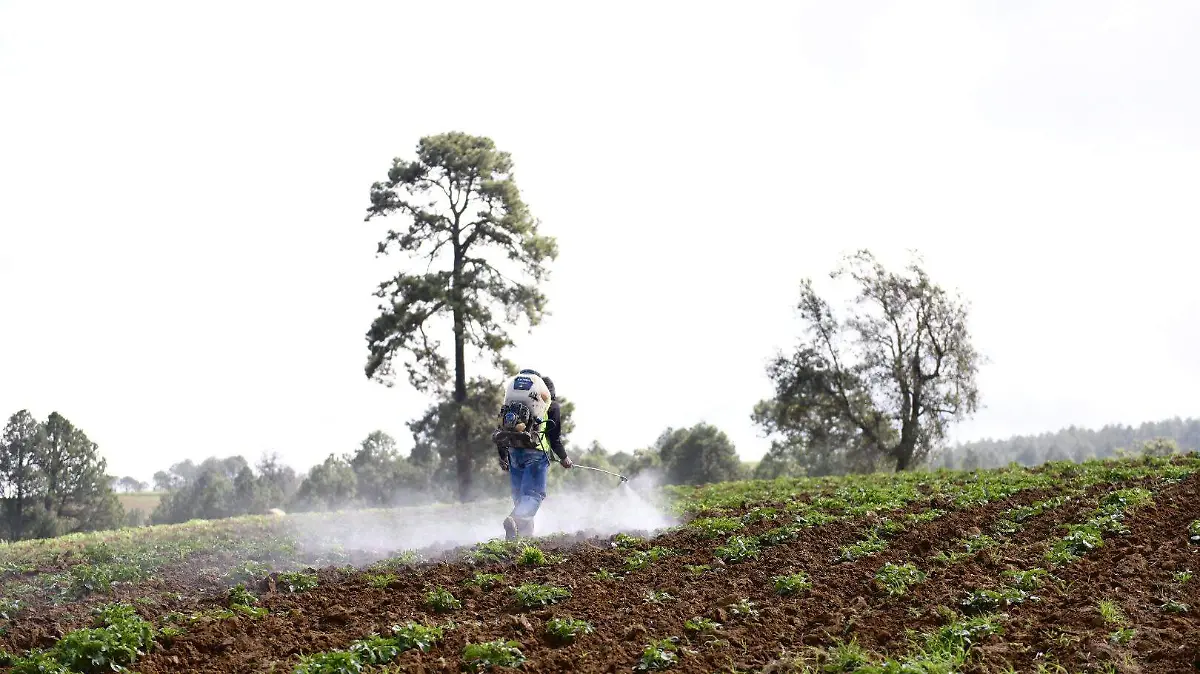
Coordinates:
(895, 579)
(738, 549)
(498, 653)
(986, 601)
(441, 600)
(868, 546)
(530, 595)
(331, 662)
(791, 584)
(657, 597)
(380, 580)
(1194, 532)
(658, 655)
(640, 559)
(714, 527)
(1175, 606)
(699, 624)
(1028, 580)
(485, 581)
(413, 635)
(605, 574)
(296, 581)
(566, 630)
(1181, 577)
(1081, 539)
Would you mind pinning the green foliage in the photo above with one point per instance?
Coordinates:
(1111, 612)
(895, 579)
(440, 599)
(843, 400)
(119, 639)
(1122, 636)
(566, 630)
(791, 584)
(331, 662)
(485, 581)
(985, 601)
(702, 454)
(656, 596)
(1175, 606)
(640, 559)
(1194, 532)
(380, 580)
(531, 595)
(532, 556)
(1081, 539)
(699, 624)
(240, 596)
(376, 650)
(1028, 580)
(658, 655)
(713, 527)
(605, 574)
(868, 546)
(498, 653)
(415, 635)
(738, 549)
(296, 581)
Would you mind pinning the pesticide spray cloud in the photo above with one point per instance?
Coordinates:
(363, 536)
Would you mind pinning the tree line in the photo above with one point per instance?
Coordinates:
(52, 480)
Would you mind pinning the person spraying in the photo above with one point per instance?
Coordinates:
(530, 427)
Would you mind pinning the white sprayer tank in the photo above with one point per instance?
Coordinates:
(531, 390)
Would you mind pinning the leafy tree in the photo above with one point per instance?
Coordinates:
(329, 485)
(465, 216)
(383, 475)
(701, 454)
(888, 378)
(280, 480)
(164, 481)
(1160, 447)
(78, 493)
(129, 484)
(21, 483)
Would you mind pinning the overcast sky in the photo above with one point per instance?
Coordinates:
(185, 270)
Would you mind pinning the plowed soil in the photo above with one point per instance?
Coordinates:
(1138, 571)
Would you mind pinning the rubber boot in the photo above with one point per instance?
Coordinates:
(510, 528)
(524, 526)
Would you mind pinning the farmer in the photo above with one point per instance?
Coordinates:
(530, 427)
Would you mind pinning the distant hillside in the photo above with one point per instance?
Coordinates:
(1068, 444)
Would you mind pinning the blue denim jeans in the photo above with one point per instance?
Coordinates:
(527, 469)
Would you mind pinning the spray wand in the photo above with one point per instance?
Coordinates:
(601, 470)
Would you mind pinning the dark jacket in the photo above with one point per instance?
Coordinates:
(554, 430)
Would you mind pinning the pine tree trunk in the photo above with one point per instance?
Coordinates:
(462, 454)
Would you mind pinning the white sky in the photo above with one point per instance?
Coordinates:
(185, 270)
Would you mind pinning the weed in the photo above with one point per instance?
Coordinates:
(895, 579)
(566, 630)
(1111, 612)
(738, 549)
(1181, 577)
(532, 556)
(441, 600)
(658, 655)
(296, 581)
(530, 595)
(239, 595)
(498, 653)
(791, 584)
